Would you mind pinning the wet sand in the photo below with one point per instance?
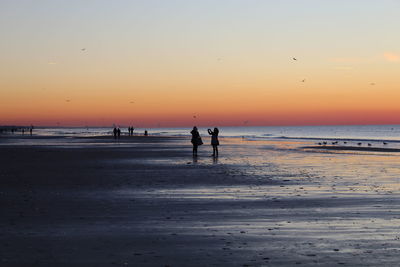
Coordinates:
(147, 202)
(355, 148)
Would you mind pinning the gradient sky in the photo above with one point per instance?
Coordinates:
(228, 62)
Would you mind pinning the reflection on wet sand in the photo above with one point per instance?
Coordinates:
(153, 204)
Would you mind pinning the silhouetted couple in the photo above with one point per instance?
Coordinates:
(130, 130)
(117, 133)
(196, 140)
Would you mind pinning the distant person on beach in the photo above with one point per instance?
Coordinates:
(196, 140)
(119, 133)
(146, 133)
(214, 141)
(31, 130)
(115, 133)
(130, 130)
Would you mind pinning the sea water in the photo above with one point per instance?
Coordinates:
(389, 133)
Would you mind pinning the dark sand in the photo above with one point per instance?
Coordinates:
(146, 202)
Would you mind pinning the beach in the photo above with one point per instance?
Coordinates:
(145, 201)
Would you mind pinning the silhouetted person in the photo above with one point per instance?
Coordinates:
(119, 133)
(31, 130)
(146, 133)
(196, 140)
(115, 133)
(214, 141)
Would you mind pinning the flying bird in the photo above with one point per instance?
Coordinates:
(68, 100)
(303, 81)
(294, 58)
(83, 49)
(194, 116)
(372, 84)
(131, 102)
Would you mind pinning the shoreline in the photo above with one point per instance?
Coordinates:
(353, 148)
(156, 205)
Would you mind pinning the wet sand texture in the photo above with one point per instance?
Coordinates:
(153, 205)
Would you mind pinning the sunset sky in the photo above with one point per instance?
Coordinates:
(228, 62)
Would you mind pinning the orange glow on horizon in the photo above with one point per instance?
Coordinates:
(232, 66)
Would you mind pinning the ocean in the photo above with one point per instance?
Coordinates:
(376, 136)
(390, 133)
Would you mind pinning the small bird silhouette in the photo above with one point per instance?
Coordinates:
(131, 102)
(372, 84)
(294, 58)
(68, 100)
(303, 81)
(83, 49)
